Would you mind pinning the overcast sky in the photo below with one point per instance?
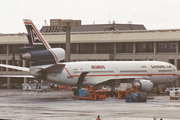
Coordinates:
(153, 14)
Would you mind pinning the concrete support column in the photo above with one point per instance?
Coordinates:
(114, 48)
(77, 48)
(8, 82)
(177, 47)
(155, 48)
(176, 64)
(25, 81)
(23, 63)
(8, 52)
(6, 63)
(68, 45)
(95, 48)
(134, 49)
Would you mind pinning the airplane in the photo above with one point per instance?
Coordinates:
(48, 66)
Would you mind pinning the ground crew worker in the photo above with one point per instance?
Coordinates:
(98, 118)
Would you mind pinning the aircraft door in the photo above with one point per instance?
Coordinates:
(149, 72)
(116, 71)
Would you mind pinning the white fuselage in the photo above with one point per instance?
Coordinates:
(101, 71)
(78, 73)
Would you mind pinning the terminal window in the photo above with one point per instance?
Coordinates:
(86, 48)
(166, 47)
(104, 48)
(145, 47)
(55, 45)
(73, 48)
(13, 49)
(124, 47)
(3, 49)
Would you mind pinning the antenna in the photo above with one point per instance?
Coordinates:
(109, 14)
(129, 22)
(45, 23)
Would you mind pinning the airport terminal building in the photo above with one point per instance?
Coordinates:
(96, 42)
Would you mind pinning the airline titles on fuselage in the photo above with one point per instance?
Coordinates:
(143, 66)
(98, 67)
(161, 66)
(158, 66)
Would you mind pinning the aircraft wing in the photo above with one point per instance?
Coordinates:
(98, 80)
(133, 77)
(15, 67)
(27, 76)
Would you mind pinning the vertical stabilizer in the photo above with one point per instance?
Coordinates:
(47, 55)
(34, 36)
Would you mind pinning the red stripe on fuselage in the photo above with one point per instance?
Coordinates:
(68, 72)
(54, 56)
(27, 23)
(126, 75)
(177, 75)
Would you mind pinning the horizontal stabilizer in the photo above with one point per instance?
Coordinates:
(15, 67)
(56, 68)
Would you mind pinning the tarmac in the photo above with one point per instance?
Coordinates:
(16, 104)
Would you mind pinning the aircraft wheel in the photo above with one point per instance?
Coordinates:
(75, 92)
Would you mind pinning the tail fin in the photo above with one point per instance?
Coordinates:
(34, 36)
(49, 55)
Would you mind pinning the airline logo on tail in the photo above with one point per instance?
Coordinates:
(36, 38)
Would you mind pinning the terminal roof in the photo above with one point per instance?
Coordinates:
(94, 27)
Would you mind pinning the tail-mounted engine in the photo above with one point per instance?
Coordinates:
(46, 56)
(39, 51)
(143, 85)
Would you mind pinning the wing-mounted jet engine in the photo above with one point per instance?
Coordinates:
(143, 85)
(39, 51)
